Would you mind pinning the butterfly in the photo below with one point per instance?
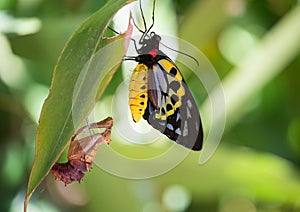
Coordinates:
(159, 94)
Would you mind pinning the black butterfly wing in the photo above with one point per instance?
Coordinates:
(171, 108)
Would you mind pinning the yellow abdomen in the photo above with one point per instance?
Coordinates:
(138, 91)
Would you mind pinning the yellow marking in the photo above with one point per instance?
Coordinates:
(161, 117)
(168, 66)
(138, 93)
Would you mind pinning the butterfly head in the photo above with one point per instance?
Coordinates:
(150, 44)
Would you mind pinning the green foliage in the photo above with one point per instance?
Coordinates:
(81, 64)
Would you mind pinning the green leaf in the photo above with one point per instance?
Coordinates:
(84, 69)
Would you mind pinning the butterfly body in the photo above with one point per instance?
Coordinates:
(159, 94)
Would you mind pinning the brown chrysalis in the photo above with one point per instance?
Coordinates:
(82, 152)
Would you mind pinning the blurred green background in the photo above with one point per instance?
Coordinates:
(254, 46)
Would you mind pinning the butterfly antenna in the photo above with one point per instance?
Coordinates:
(153, 9)
(143, 17)
(185, 54)
(136, 26)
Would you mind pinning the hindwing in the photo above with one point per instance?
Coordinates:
(171, 108)
(159, 94)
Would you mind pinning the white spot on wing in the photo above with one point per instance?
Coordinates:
(177, 117)
(170, 127)
(189, 103)
(161, 123)
(197, 126)
(188, 113)
(178, 131)
(185, 129)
